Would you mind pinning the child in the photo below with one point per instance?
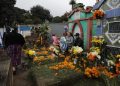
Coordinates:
(55, 40)
(63, 43)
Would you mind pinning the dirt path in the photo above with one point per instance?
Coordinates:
(21, 79)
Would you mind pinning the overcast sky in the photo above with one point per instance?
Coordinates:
(56, 7)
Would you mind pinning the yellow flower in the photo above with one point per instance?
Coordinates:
(97, 40)
(76, 50)
(31, 52)
(118, 56)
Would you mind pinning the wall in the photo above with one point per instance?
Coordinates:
(113, 39)
(84, 25)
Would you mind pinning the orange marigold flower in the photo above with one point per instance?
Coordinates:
(118, 68)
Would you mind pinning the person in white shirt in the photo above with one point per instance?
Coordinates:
(69, 39)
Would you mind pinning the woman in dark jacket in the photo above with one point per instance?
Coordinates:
(5, 35)
(14, 42)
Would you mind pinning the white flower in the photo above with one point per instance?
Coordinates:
(102, 62)
(110, 62)
(75, 61)
(119, 60)
(79, 49)
(99, 57)
(94, 53)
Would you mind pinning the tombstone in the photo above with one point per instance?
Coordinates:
(80, 21)
(110, 23)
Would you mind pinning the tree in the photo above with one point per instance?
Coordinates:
(64, 17)
(72, 2)
(57, 19)
(38, 12)
(21, 15)
(7, 12)
(60, 19)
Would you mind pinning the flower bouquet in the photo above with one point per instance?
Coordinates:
(93, 58)
(92, 72)
(54, 50)
(30, 53)
(76, 52)
(98, 14)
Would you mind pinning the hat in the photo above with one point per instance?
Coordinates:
(77, 34)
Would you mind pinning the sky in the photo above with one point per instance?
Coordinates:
(56, 7)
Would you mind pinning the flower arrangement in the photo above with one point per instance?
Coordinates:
(98, 14)
(30, 52)
(95, 49)
(118, 68)
(51, 57)
(54, 50)
(92, 72)
(61, 56)
(110, 63)
(97, 40)
(63, 65)
(92, 56)
(118, 56)
(42, 53)
(107, 73)
(39, 59)
(76, 50)
(43, 49)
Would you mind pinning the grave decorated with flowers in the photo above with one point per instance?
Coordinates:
(94, 65)
(50, 67)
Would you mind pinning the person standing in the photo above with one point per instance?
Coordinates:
(4, 36)
(78, 41)
(69, 39)
(14, 42)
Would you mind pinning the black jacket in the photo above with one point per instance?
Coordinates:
(14, 38)
(78, 42)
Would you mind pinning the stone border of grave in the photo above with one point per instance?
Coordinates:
(6, 73)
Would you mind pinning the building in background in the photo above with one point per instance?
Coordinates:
(25, 30)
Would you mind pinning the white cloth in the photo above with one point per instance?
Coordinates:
(63, 44)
